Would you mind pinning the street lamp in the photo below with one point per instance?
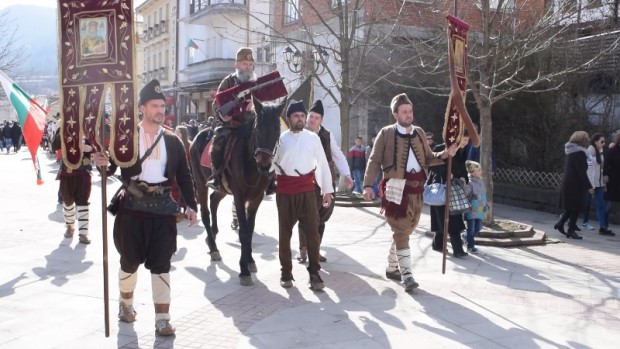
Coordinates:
(296, 58)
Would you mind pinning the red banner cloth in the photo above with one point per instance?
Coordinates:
(267, 93)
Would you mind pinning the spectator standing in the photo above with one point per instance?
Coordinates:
(476, 191)
(611, 171)
(192, 129)
(599, 181)
(16, 136)
(439, 174)
(575, 182)
(357, 164)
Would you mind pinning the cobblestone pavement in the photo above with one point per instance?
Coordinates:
(561, 295)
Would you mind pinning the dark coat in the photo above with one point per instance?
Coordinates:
(575, 182)
(612, 170)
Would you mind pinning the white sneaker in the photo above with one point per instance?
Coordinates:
(587, 226)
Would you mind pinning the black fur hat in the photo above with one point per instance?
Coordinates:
(317, 107)
(295, 106)
(152, 90)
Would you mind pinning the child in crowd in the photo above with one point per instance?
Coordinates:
(477, 192)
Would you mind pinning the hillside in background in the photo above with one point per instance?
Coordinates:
(37, 32)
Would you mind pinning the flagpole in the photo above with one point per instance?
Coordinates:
(104, 231)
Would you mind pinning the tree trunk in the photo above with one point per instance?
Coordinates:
(486, 155)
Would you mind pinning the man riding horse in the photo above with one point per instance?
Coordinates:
(244, 72)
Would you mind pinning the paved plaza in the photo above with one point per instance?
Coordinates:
(562, 295)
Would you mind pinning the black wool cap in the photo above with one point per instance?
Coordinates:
(317, 107)
(152, 90)
(295, 106)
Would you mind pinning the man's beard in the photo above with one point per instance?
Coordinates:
(297, 127)
(405, 125)
(245, 76)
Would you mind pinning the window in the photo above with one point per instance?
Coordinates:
(508, 4)
(291, 14)
(336, 2)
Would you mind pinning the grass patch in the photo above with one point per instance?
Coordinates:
(501, 225)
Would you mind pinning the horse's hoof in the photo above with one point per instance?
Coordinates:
(246, 280)
(252, 267)
(215, 256)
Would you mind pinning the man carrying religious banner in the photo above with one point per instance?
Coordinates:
(144, 233)
(402, 153)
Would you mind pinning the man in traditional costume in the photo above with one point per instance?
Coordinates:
(244, 72)
(299, 162)
(402, 153)
(75, 186)
(335, 159)
(146, 237)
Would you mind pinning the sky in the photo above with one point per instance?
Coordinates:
(44, 3)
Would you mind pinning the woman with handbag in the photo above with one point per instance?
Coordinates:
(438, 174)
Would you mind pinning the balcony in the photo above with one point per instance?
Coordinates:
(209, 70)
(200, 8)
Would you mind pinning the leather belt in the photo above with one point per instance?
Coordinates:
(414, 184)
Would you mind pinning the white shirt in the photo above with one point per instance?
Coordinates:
(337, 156)
(153, 167)
(300, 153)
(412, 162)
(339, 159)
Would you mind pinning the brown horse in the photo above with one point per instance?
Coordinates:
(245, 177)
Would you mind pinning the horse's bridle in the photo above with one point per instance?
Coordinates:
(254, 141)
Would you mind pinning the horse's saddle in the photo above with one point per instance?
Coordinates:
(205, 158)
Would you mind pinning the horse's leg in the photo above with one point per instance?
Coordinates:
(245, 238)
(203, 200)
(251, 218)
(216, 197)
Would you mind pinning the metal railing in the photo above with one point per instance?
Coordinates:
(529, 178)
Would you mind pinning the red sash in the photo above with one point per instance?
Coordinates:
(295, 184)
(414, 185)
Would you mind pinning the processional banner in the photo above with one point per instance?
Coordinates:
(96, 67)
(457, 46)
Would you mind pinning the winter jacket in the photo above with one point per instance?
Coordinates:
(477, 192)
(576, 180)
(357, 158)
(595, 170)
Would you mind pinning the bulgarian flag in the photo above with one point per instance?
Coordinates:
(30, 115)
(191, 43)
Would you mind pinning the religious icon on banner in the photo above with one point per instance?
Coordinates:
(93, 32)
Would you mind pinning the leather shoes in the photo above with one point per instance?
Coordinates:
(573, 235)
(393, 275)
(461, 254)
(605, 231)
(559, 228)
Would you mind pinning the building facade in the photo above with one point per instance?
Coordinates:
(209, 34)
(157, 49)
